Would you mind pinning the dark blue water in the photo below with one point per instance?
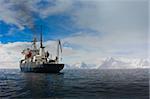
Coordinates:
(76, 84)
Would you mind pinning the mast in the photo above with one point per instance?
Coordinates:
(41, 38)
(42, 52)
(34, 43)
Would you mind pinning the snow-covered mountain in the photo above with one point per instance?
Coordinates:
(144, 63)
(81, 65)
(112, 63)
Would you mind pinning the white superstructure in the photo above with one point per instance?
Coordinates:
(39, 55)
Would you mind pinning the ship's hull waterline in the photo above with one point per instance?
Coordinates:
(41, 68)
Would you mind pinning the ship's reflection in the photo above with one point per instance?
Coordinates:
(42, 85)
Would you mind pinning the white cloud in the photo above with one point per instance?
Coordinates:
(21, 12)
(60, 7)
(12, 13)
(98, 46)
(113, 15)
(127, 21)
(121, 28)
(11, 54)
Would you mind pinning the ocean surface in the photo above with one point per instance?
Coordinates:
(75, 84)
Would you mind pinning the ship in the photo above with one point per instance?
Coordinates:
(36, 59)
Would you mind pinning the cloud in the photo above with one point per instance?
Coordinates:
(24, 13)
(121, 27)
(15, 12)
(61, 6)
(114, 18)
(11, 54)
(112, 15)
(101, 46)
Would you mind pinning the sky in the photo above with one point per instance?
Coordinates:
(90, 30)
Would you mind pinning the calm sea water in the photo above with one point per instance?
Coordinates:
(76, 84)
